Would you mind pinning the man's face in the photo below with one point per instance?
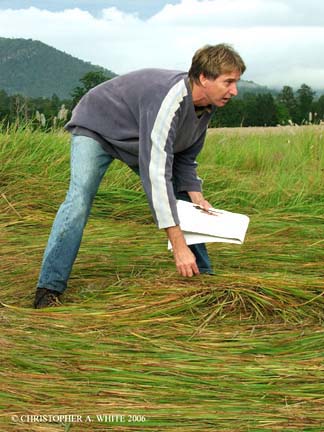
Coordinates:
(220, 90)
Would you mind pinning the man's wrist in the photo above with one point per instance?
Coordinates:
(196, 197)
(176, 237)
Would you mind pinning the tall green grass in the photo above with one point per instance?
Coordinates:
(268, 170)
(239, 351)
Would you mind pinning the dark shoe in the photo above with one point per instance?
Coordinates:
(46, 298)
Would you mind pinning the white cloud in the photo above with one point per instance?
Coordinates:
(280, 43)
(231, 13)
(239, 13)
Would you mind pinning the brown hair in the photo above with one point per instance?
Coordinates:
(214, 60)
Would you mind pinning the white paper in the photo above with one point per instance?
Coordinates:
(200, 226)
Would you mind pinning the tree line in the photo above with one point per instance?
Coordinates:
(252, 109)
(286, 107)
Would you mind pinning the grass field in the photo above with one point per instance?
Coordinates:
(239, 351)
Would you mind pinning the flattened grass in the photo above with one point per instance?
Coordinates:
(239, 351)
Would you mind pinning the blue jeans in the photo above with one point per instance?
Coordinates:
(89, 162)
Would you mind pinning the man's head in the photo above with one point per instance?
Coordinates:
(215, 60)
(214, 73)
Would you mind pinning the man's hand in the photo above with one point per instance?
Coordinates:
(184, 259)
(197, 198)
(186, 262)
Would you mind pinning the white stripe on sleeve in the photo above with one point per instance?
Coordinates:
(159, 136)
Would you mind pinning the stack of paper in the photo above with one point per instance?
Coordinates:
(214, 225)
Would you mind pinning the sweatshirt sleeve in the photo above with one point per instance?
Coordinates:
(185, 166)
(158, 127)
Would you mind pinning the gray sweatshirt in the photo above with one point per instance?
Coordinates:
(147, 119)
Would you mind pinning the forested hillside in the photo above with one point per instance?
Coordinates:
(32, 68)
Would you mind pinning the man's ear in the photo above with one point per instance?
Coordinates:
(202, 80)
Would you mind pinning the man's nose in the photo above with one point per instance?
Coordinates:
(233, 89)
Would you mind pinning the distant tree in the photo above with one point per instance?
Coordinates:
(40, 111)
(266, 109)
(231, 115)
(259, 110)
(287, 98)
(249, 109)
(55, 103)
(305, 97)
(283, 115)
(89, 80)
(318, 109)
(19, 109)
(4, 105)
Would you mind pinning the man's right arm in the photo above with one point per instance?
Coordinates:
(184, 259)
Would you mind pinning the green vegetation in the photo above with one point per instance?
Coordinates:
(34, 69)
(249, 109)
(239, 351)
(265, 109)
(45, 113)
(36, 80)
(88, 81)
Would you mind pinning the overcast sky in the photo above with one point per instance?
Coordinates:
(281, 41)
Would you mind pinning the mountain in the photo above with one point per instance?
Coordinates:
(34, 69)
(252, 87)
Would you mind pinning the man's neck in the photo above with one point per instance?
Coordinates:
(198, 96)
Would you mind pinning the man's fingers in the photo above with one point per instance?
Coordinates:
(188, 270)
(195, 269)
(186, 263)
(205, 205)
(183, 271)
